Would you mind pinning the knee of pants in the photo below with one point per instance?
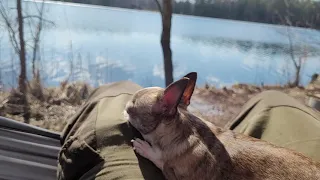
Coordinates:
(269, 93)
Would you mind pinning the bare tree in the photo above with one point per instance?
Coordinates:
(296, 59)
(35, 86)
(36, 39)
(41, 21)
(23, 71)
(19, 44)
(166, 15)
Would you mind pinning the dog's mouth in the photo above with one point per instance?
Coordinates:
(126, 115)
(133, 122)
(128, 118)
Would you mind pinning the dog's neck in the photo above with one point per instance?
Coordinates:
(174, 132)
(175, 138)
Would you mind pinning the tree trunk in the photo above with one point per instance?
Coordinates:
(297, 76)
(165, 41)
(34, 71)
(35, 49)
(35, 68)
(23, 75)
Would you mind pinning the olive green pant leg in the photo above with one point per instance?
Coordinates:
(282, 120)
(96, 142)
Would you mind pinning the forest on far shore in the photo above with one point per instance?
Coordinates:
(299, 13)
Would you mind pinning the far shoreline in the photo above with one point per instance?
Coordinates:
(157, 12)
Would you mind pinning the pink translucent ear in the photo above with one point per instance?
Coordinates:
(172, 95)
(190, 88)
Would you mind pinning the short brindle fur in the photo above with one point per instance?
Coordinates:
(186, 147)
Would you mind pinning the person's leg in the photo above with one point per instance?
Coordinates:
(96, 142)
(280, 119)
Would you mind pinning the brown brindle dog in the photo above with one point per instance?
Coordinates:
(186, 147)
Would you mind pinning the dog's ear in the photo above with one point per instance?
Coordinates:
(185, 100)
(171, 97)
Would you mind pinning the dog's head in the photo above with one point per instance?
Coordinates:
(149, 106)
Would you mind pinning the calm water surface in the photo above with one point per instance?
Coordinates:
(110, 44)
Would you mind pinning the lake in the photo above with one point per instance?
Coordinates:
(104, 45)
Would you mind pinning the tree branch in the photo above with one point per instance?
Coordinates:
(286, 21)
(159, 6)
(40, 19)
(11, 31)
(291, 48)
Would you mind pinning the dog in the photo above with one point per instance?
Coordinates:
(186, 147)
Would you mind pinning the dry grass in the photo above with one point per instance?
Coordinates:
(222, 105)
(55, 106)
(49, 110)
